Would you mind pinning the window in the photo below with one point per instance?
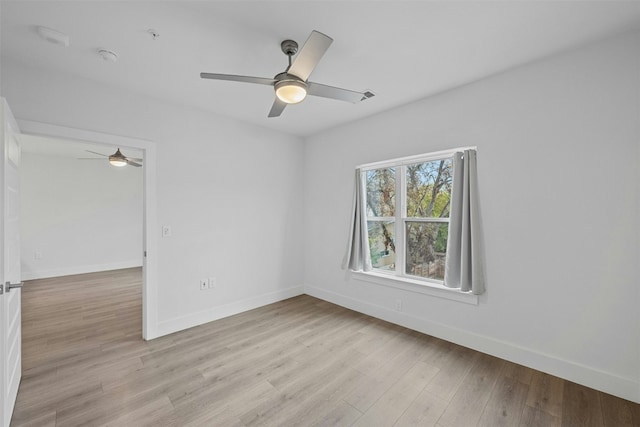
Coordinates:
(415, 221)
(407, 208)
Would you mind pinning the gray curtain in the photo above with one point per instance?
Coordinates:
(358, 257)
(463, 268)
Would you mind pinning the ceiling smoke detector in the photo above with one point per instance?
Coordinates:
(53, 36)
(108, 55)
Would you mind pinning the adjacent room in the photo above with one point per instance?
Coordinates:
(79, 214)
(369, 213)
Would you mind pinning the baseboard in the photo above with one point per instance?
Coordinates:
(176, 324)
(80, 269)
(575, 372)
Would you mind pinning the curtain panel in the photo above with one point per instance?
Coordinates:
(358, 257)
(464, 264)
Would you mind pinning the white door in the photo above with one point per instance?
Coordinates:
(10, 300)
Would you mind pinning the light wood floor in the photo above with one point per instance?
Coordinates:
(301, 361)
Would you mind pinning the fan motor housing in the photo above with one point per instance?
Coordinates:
(289, 47)
(284, 76)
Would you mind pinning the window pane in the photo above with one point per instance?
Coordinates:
(382, 244)
(429, 189)
(381, 192)
(426, 249)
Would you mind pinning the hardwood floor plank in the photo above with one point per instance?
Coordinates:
(424, 411)
(310, 381)
(518, 372)
(505, 404)
(387, 351)
(545, 393)
(44, 419)
(460, 361)
(316, 405)
(395, 401)
(45, 399)
(581, 406)
(239, 403)
(148, 414)
(382, 372)
(225, 418)
(219, 406)
(619, 412)
(298, 362)
(315, 359)
(230, 382)
(342, 414)
(536, 417)
(468, 403)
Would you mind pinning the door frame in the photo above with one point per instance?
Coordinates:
(150, 224)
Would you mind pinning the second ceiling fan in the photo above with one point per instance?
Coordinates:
(116, 159)
(292, 86)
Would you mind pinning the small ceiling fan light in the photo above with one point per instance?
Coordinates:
(291, 91)
(117, 161)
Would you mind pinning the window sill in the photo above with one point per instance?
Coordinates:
(406, 284)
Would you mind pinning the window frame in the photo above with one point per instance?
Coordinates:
(399, 278)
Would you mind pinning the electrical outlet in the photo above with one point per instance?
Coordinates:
(37, 255)
(212, 282)
(166, 231)
(398, 305)
(203, 284)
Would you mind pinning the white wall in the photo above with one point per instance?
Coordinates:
(80, 216)
(558, 162)
(231, 192)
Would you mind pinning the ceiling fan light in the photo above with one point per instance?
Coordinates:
(291, 91)
(117, 161)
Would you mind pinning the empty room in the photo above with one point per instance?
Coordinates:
(320, 213)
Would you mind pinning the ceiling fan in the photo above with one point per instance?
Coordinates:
(292, 85)
(117, 159)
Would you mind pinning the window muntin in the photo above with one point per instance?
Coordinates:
(412, 239)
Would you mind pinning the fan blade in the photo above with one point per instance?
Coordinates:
(310, 54)
(234, 78)
(325, 91)
(99, 154)
(277, 108)
(89, 158)
(132, 163)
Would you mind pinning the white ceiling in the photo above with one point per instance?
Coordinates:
(402, 51)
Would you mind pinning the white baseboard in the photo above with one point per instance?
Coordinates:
(79, 269)
(575, 372)
(170, 326)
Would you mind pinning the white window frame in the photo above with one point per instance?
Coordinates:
(399, 278)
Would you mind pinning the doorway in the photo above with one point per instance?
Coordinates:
(106, 142)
